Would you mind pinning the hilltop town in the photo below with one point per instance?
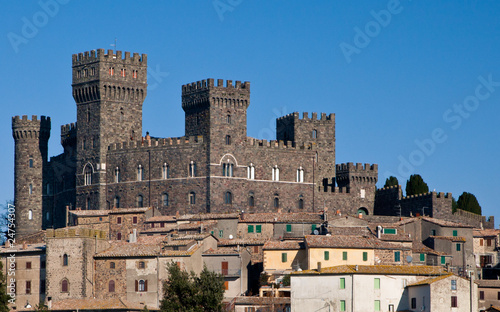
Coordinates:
(287, 227)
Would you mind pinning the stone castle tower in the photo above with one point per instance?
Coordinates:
(31, 139)
(109, 92)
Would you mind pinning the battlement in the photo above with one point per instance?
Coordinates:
(24, 128)
(391, 188)
(180, 141)
(74, 232)
(433, 195)
(280, 144)
(208, 84)
(68, 128)
(99, 55)
(68, 134)
(358, 168)
(305, 116)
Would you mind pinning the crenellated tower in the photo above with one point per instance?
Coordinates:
(31, 139)
(218, 112)
(109, 90)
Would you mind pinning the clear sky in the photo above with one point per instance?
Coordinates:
(415, 85)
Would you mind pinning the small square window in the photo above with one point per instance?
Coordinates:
(283, 257)
(481, 295)
(288, 228)
(250, 229)
(377, 305)
(342, 305)
(327, 255)
(344, 255)
(28, 265)
(455, 233)
(454, 302)
(119, 220)
(376, 283)
(453, 284)
(422, 257)
(459, 247)
(142, 264)
(443, 260)
(397, 256)
(134, 220)
(258, 228)
(365, 256)
(342, 283)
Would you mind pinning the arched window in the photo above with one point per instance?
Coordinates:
(164, 199)
(111, 286)
(142, 285)
(139, 201)
(117, 174)
(228, 198)
(228, 140)
(300, 174)
(314, 134)
(251, 199)
(276, 201)
(192, 198)
(118, 236)
(30, 214)
(227, 170)
(166, 171)
(192, 169)
(276, 173)
(301, 202)
(64, 286)
(251, 172)
(31, 162)
(30, 189)
(116, 202)
(140, 173)
(88, 175)
(65, 260)
(111, 265)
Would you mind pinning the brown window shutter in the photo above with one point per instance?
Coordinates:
(136, 285)
(146, 285)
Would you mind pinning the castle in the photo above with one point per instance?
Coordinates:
(108, 163)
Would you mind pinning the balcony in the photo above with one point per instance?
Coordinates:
(228, 272)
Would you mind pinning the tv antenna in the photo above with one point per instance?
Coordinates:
(114, 46)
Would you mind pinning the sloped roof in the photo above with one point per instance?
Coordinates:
(242, 241)
(377, 269)
(283, 245)
(349, 241)
(450, 238)
(222, 251)
(94, 304)
(89, 213)
(418, 247)
(124, 249)
(431, 280)
(128, 210)
(445, 223)
(485, 233)
(290, 217)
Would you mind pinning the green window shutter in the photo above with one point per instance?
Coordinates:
(250, 229)
(422, 257)
(458, 247)
(283, 257)
(288, 227)
(221, 233)
(342, 305)
(344, 255)
(376, 284)
(212, 232)
(455, 233)
(365, 256)
(313, 227)
(377, 305)
(342, 283)
(258, 228)
(443, 260)
(397, 256)
(327, 255)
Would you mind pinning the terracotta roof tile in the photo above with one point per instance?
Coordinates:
(180, 253)
(128, 210)
(418, 247)
(94, 304)
(431, 280)
(242, 241)
(222, 251)
(445, 223)
(209, 216)
(450, 238)
(378, 269)
(485, 233)
(161, 218)
(350, 241)
(89, 213)
(488, 283)
(284, 245)
(292, 217)
(124, 249)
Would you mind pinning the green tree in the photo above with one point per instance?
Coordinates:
(416, 185)
(4, 297)
(187, 292)
(286, 280)
(391, 181)
(210, 287)
(468, 202)
(454, 205)
(41, 307)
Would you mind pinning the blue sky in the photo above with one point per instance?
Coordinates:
(415, 85)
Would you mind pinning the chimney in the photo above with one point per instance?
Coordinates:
(379, 230)
(356, 268)
(319, 266)
(25, 245)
